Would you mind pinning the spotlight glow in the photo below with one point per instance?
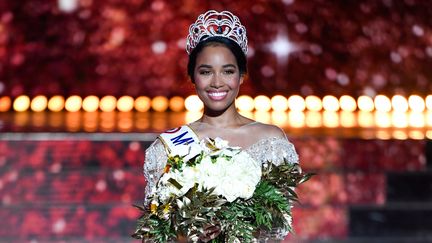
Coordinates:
(90, 103)
(160, 103)
(347, 103)
(5, 103)
(382, 103)
(399, 103)
(365, 103)
(56, 103)
(262, 103)
(245, 103)
(142, 104)
(296, 103)
(313, 103)
(331, 119)
(125, 103)
(429, 102)
(176, 104)
(108, 103)
(296, 119)
(21, 103)
(73, 103)
(416, 103)
(193, 103)
(330, 103)
(39, 103)
(279, 103)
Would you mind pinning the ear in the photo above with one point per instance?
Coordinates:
(242, 77)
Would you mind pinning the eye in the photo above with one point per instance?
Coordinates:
(229, 71)
(204, 72)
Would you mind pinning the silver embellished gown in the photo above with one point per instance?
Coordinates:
(267, 149)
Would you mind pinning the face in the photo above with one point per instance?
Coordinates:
(217, 77)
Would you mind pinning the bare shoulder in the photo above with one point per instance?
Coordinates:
(267, 130)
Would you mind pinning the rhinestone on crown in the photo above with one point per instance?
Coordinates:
(213, 23)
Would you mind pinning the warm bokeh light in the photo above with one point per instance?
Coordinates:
(39, 103)
(383, 119)
(192, 116)
(56, 103)
(313, 103)
(176, 104)
(296, 103)
(125, 103)
(313, 119)
(262, 103)
(193, 103)
(429, 118)
(73, 103)
(90, 103)
(347, 103)
(382, 103)
(417, 135)
(279, 118)
(245, 103)
(296, 119)
(330, 119)
(5, 103)
(365, 119)
(262, 116)
(330, 103)
(365, 103)
(348, 119)
(160, 103)
(416, 103)
(400, 135)
(416, 119)
(21, 103)
(142, 104)
(108, 103)
(429, 102)
(400, 119)
(399, 103)
(279, 103)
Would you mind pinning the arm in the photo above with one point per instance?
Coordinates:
(154, 163)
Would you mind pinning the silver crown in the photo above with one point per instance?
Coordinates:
(213, 23)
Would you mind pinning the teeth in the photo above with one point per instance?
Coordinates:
(217, 94)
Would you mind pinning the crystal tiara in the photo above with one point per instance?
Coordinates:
(213, 23)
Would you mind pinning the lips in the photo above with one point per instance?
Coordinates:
(217, 95)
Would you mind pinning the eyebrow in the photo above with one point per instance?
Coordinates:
(224, 66)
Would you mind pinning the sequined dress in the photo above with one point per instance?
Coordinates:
(267, 149)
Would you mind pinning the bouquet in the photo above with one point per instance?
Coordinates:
(213, 192)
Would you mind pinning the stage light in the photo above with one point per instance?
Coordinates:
(330, 118)
(429, 118)
(382, 103)
(56, 103)
(176, 104)
(429, 102)
(416, 119)
(416, 103)
(347, 119)
(108, 103)
(400, 119)
(279, 103)
(90, 103)
(417, 135)
(330, 103)
(365, 119)
(21, 103)
(262, 116)
(125, 103)
(399, 103)
(142, 104)
(5, 103)
(313, 119)
(193, 103)
(245, 103)
(365, 103)
(400, 135)
(67, 6)
(296, 103)
(279, 118)
(160, 103)
(39, 103)
(73, 103)
(248, 114)
(262, 103)
(296, 119)
(192, 116)
(347, 103)
(382, 119)
(313, 103)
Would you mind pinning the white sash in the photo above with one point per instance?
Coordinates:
(178, 136)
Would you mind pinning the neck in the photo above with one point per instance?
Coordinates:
(226, 118)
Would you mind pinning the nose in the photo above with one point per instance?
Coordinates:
(216, 81)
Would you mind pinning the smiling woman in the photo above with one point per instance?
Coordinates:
(217, 48)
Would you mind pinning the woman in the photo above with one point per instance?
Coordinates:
(217, 48)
